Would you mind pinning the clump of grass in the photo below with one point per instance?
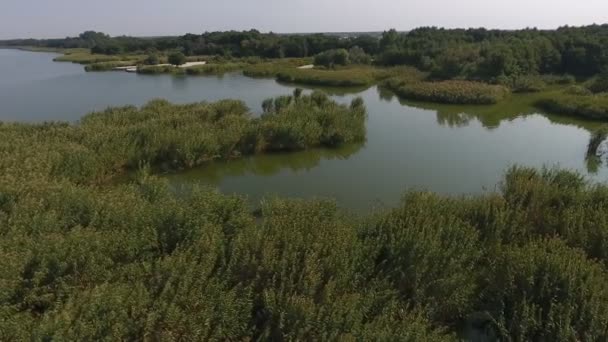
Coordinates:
(84, 56)
(524, 84)
(590, 107)
(214, 69)
(451, 92)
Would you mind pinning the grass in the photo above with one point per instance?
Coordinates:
(84, 56)
(351, 77)
(168, 136)
(214, 69)
(593, 107)
(450, 92)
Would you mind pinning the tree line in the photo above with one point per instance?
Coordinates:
(446, 53)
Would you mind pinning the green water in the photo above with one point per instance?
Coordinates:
(410, 146)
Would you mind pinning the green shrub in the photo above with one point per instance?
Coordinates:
(176, 58)
(331, 58)
(548, 291)
(577, 90)
(598, 84)
(158, 69)
(523, 84)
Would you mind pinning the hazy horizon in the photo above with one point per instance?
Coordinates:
(61, 18)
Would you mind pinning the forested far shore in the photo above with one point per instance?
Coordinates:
(446, 53)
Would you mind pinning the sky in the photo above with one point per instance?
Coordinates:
(61, 18)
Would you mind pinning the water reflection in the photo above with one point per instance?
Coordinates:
(597, 150)
(490, 116)
(265, 164)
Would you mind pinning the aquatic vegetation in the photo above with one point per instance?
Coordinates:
(524, 84)
(453, 92)
(132, 260)
(214, 69)
(591, 106)
(87, 259)
(347, 77)
(106, 66)
(85, 56)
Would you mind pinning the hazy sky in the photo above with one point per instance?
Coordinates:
(60, 18)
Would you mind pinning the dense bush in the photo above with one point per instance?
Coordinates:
(454, 92)
(599, 84)
(590, 106)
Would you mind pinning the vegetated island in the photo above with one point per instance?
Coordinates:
(457, 66)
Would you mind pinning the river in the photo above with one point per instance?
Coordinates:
(410, 146)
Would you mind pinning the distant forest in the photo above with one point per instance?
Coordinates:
(447, 53)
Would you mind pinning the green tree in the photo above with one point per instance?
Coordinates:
(177, 58)
(152, 59)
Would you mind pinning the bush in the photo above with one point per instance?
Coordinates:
(349, 77)
(158, 69)
(106, 66)
(547, 291)
(177, 58)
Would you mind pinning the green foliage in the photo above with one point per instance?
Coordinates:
(357, 55)
(177, 58)
(447, 53)
(547, 291)
(577, 90)
(347, 77)
(455, 92)
(214, 69)
(106, 66)
(135, 260)
(331, 58)
(170, 136)
(599, 84)
(152, 59)
(159, 69)
(591, 106)
(523, 84)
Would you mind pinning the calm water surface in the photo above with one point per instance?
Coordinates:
(410, 146)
